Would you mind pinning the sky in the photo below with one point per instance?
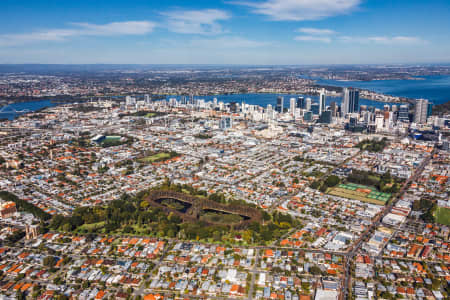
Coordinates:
(253, 32)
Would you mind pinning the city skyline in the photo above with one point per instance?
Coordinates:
(265, 32)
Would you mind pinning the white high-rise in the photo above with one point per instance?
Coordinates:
(308, 104)
(147, 99)
(292, 106)
(420, 116)
(322, 99)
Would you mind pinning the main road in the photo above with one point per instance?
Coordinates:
(377, 221)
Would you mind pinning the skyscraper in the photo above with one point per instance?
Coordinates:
(421, 111)
(292, 106)
(326, 117)
(280, 104)
(308, 104)
(322, 101)
(301, 102)
(403, 113)
(315, 108)
(333, 108)
(308, 116)
(147, 99)
(430, 109)
(351, 101)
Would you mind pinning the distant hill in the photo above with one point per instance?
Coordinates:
(441, 109)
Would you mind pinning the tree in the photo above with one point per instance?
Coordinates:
(387, 295)
(315, 185)
(20, 295)
(332, 180)
(23, 205)
(49, 261)
(416, 205)
(315, 270)
(266, 216)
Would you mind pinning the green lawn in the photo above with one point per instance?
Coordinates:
(156, 157)
(220, 218)
(112, 138)
(350, 192)
(443, 216)
(173, 204)
(91, 227)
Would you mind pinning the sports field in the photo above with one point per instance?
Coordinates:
(443, 215)
(156, 157)
(360, 192)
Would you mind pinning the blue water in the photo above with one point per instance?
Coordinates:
(8, 112)
(434, 88)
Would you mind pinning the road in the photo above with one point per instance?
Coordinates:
(141, 290)
(348, 256)
(253, 271)
(377, 221)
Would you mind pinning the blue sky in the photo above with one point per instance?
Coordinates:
(225, 32)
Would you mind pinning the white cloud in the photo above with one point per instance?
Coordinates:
(386, 40)
(117, 28)
(79, 29)
(300, 10)
(25, 38)
(316, 31)
(310, 38)
(196, 21)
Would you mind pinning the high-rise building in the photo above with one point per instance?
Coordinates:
(308, 104)
(322, 99)
(308, 116)
(301, 102)
(280, 104)
(147, 99)
(403, 113)
(130, 100)
(315, 108)
(421, 111)
(351, 101)
(226, 123)
(292, 106)
(333, 108)
(31, 231)
(430, 109)
(234, 107)
(379, 122)
(326, 117)
(7, 209)
(367, 116)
